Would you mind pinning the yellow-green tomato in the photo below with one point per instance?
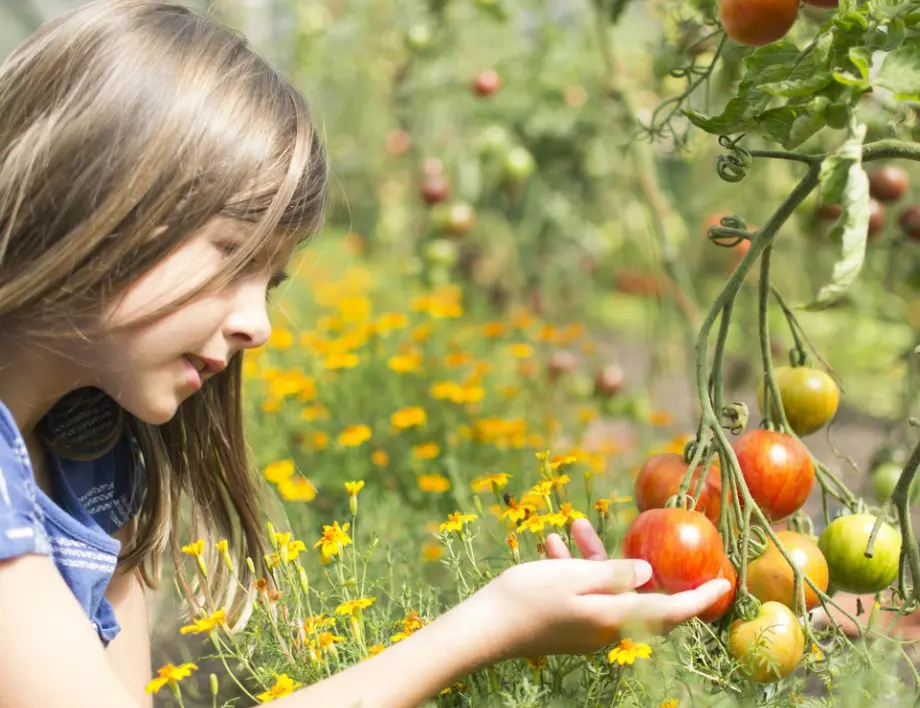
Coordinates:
(843, 544)
(885, 477)
(770, 646)
(810, 397)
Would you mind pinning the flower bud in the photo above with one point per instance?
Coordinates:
(214, 685)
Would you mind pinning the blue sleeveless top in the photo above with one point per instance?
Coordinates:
(91, 500)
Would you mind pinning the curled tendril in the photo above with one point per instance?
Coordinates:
(733, 166)
(757, 543)
(736, 415)
(690, 451)
(747, 606)
(679, 73)
(681, 501)
(726, 236)
(730, 168)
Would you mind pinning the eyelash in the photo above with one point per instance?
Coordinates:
(228, 249)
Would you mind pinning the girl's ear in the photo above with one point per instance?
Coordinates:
(84, 425)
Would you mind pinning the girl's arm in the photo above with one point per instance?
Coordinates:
(50, 654)
(129, 652)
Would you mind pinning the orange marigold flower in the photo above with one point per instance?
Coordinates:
(354, 435)
(433, 483)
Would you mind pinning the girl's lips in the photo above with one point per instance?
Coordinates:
(193, 378)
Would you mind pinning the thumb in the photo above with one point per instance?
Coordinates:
(611, 577)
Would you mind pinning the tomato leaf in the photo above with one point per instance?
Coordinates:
(900, 71)
(802, 87)
(790, 126)
(843, 180)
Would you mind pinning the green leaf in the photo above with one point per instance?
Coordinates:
(900, 71)
(789, 126)
(862, 59)
(800, 87)
(844, 180)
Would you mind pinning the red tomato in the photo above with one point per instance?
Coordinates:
(683, 547)
(755, 23)
(770, 577)
(660, 477)
(717, 611)
(777, 469)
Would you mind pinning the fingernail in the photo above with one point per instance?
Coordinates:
(643, 572)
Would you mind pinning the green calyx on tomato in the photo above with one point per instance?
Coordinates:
(810, 397)
(843, 544)
(770, 646)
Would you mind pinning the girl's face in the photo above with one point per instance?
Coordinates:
(150, 369)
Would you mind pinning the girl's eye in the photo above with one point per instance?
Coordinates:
(229, 250)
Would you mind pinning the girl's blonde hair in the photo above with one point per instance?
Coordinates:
(125, 125)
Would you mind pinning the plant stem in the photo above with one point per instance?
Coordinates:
(772, 401)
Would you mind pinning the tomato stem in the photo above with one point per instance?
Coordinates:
(770, 389)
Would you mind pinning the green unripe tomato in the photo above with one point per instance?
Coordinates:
(884, 479)
(843, 544)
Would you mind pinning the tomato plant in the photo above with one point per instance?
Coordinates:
(777, 469)
(770, 577)
(683, 547)
(770, 646)
(810, 397)
(888, 184)
(660, 477)
(609, 381)
(755, 23)
(910, 222)
(843, 544)
(487, 83)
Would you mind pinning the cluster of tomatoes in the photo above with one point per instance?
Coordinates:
(755, 23)
(887, 185)
(686, 549)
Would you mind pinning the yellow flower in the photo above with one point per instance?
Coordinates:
(627, 651)
(194, 549)
(543, 488)
(662, 419)
(455, 359)
(521, 351)
(284, 686)
(354, 487)
(455, 522)
(426, 451)
(325, 641)
(619, 499)
(334, 539)
(320, 440)
(601, 505)
(569, 512)
(280, 339)
(374, 650)
(515, 511)
(341, 361)
(669, 704)
(297, 489)
(278, 471)
(223, 545)
(492, 481)
(170, 674)
(315, 412)
(533, 523)
(494, 329)
(431, 551)
(314, 623)
(352, 607)
(409, 417)
(561, 461)
(206, 624)
(536, 663)
(391, 320)
(433, 483)
(354, 435)
(560, 480)
(405, 363)
(555, 519)
(380, 458)
(816, 652)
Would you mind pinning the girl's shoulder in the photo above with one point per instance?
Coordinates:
(22, 521)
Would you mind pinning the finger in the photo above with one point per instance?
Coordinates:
(589, 543)
(556, 548)
(658, 610)
(610, 576)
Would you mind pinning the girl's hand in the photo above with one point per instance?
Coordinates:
(569, 605)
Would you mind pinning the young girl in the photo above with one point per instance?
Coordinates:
(155, 177)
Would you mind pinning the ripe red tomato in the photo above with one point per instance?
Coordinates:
(823, 3)
(770, 646)
(435, 189)
(910, 222)
(641, 283)
(609, 381)
(770, 577)
(487, 83)
(660, 477)
(777, 469)
(843, 544)
(755, 23)
(715, 612)
(683, 547)
(810, 397)
(877, 218)
(888, 183)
